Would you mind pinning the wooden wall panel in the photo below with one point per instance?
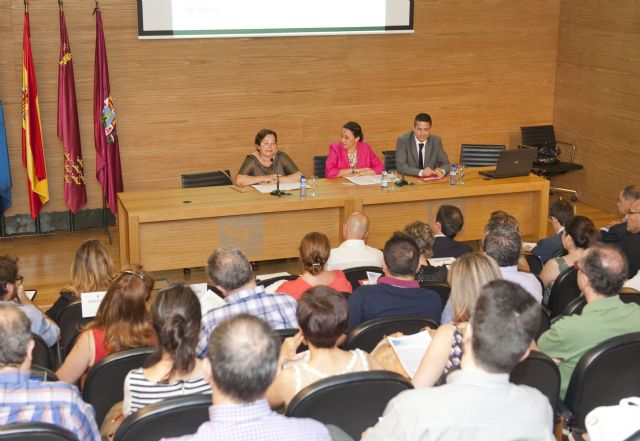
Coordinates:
(481, 69)
(597, 103)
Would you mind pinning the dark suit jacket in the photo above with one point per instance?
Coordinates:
(447, 247)
(630, 245)
(407, 154)
(548, 247)
(614, 233)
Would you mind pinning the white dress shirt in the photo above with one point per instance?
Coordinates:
(527, 280)
(352, 253)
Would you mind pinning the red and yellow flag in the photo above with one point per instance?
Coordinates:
(32, 148)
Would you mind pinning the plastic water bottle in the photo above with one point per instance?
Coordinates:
(453, 175)
(303, 187)
(384, 181)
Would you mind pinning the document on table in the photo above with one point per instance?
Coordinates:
(410, 349)
(208, 299)
(284, 186)
(364, 180)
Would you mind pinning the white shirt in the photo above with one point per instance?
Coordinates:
(527, 280)
(633, 282)
(352, 253)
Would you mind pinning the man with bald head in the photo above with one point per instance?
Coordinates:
(354, 251)
(601, 273)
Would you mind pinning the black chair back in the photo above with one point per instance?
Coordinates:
(534, 262)
(545, 322)
(206, 179)
(70, 322)
(353, 402)
(104, 384)
(630, 297)
(443, 290)
(389, 159)
(35, 432)
(168, 418)
(267, 282)
(42, 355)
(368, 334)
(564, 290)
(538, 136)
(539, 372)
(319, 164)
(284, 333)
(480, 155)
(575, 306)
(41, 373)
(604, 375)
(356, 274)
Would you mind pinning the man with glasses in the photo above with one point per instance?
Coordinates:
(616, 231)
(630, 243)
(11, 290)
(601, 273)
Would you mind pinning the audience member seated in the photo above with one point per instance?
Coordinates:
(630, 243)
(503, 242)
(323, 317)
(469, 274)
(601, 273)
(560, 212)
(579, 234)
(241, 363)
(314, 253)
(617, 230)
(23, 400)
(121, 323)
(231, 273)
(354, 251)
(422, 234)
(351, 156)
(478, 402)
(12, 291)
(91, 271)
(449, 222)
(397, 292)
(173, 369)
(267, 165)
(501, 217)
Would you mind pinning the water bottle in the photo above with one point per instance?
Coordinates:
(303, 187)
(384, 181)
(453, 175)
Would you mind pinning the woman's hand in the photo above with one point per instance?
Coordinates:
(270, 179)
(289, 347)
(366, 171)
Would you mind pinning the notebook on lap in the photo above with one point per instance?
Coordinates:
(512, 163)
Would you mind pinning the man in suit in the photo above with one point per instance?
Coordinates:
(616, 231)
(419, 153)
(559, 214)
(449, 222)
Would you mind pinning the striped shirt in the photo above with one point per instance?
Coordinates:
(140, 392)
(23, 400)
(279, 310)
(255, 422)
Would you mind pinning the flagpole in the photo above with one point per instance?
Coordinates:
(26, 5)
(104, 219)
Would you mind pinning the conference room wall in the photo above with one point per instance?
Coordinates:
(481, 69)
(597, 102)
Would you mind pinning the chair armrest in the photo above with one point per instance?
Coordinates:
(573, 149)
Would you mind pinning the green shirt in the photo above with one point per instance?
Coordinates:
(570, 337)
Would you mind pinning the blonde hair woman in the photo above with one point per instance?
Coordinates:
(469, 273)
(91, 271)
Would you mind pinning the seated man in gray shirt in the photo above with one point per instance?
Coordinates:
(478, 401)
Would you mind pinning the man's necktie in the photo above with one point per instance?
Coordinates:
(420, 157)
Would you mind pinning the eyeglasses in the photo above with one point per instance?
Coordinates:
(133, 273)
(19, 280)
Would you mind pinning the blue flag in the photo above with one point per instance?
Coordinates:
(5, 169)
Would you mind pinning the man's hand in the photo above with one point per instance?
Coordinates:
(22, 296)
(427, 171)
(440, 172)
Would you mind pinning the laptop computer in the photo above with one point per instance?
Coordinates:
(512, 163)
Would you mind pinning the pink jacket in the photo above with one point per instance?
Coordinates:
(339, 159)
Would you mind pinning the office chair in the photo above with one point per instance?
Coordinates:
(563, 291)
(367, 335)
(540, 372)
(71, 322)
(319, 165)
(443, 290)
(206, 179)
(534, 262)
(35, 432)
(389, 159)
(353, 402)
(42, 355)
(480, 155)
(547, 163)
(357, 273)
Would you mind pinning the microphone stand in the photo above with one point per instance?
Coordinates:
(277, 192)
(402, 182)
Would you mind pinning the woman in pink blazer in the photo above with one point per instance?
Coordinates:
(351, 156)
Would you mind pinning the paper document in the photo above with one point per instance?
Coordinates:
(262, 277)
(91, 302)
(410, 349)
(364, 180)
(268, 188)
(439, 261)
(528, 245)
(208, 299)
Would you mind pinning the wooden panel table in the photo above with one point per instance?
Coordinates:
(179, 228)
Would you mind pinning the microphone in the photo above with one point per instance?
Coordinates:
(402, 182)
(277, 191)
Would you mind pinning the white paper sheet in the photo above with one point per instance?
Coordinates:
(365, 180)
(439, 261)
(91, 302)
(268, 188)
(208, 299)
(410, 349)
